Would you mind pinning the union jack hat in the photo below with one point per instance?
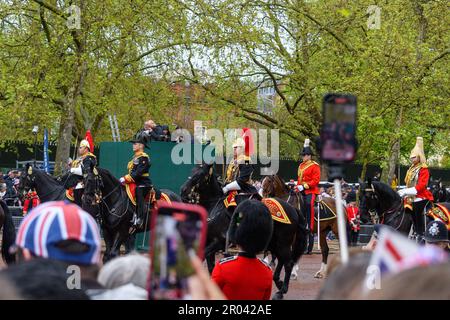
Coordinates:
(52, 222)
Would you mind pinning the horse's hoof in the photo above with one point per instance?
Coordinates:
(277, 296)
(293, 276)
(318, 275)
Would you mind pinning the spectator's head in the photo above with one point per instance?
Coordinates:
(436, 234)
(251, 226)
(165, 130)
(345, 282)
(149, 124)
(42, 279)
(132, 268)
(420, 283)
(11, 174)
(2, 187)
(59, 231)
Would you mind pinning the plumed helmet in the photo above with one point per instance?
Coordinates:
(307, 148)
(417, 151)
(85, 143)
(239, 143)
(251, 226)
(436, 232)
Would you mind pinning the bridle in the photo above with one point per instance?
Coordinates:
(398, 209)
(32, 182)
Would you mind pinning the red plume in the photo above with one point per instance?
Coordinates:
(249, 142)
(90, 140)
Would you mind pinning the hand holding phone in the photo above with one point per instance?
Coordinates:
(178, 235)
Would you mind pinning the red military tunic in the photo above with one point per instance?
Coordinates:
(417, 177)
(243, 278)
(353, 217)
(309, 176)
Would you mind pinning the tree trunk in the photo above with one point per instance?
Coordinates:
(68, 117)
(395, 150)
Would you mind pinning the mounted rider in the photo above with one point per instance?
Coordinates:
(239, 171)
(81, 167)
(417, 196)
(308, 185)
(138, 173)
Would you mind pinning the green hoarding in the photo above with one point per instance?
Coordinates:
(165, 174)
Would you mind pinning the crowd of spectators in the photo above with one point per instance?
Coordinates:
(9, 187)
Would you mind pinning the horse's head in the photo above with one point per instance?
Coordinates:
(368, 200)
(27, 179)
(268, 186)
(437, 189)
(200, 180)
(274, 186)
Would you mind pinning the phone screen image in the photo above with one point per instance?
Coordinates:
(339, 128)
(177, 235)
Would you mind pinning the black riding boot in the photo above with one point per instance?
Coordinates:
(308, 200)
(77, 195)
(141, 207)
(419, 218)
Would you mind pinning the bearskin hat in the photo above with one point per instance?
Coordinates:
(251, 226)
(307, 148)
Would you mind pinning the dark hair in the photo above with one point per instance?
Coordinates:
(42, 279)
(253, 226)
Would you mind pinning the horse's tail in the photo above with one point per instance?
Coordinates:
(301, 236)
(9, 235)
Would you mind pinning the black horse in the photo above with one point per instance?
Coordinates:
(288, 241)
(116, 211)
(440, 193)
(48, 188)
(379, 203)
(9, 232)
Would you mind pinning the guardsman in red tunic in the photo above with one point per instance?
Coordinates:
(308, 185)
(246, 277)
(31, 201)
(417, 196)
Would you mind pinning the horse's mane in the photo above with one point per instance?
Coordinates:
(386, 190)
(280, 180)
(106, 173)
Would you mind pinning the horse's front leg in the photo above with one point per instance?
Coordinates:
(324, 250)
(210, 253)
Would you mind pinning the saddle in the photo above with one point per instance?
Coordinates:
(440, 212)
(326, 212)
(150, 198)
(69, 194)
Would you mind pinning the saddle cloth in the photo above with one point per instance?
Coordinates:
(229, 200)
(276, 210)
(326, 213)
(131, 192)
(440, 212)
(69, 194)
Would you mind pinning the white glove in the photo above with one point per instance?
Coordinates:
(225, 190)
(122, 180)
(407, 192)
(76, 171)
(300, 188)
